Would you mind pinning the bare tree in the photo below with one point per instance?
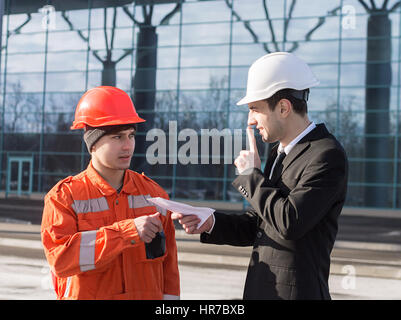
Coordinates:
(377, 101)
(274, 42)
(109, 65)
(144, 80)
(17, 30)
(22, 112)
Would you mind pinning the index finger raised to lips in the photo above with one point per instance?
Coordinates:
(251, 139)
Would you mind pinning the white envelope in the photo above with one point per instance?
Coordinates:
(202, 212)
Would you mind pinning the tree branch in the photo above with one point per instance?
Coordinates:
(373, 4)
(94, 52)
(270, 26)
(247, 26)
(147, 15)
(72, 27)
(253, 34)
(150, 14)
(167, 18)
(18, 29)
(294, 47)
(126, 53)
(113, 30)
(368, 10)
(318, 25)
(130, 15)
(287, 21)
(395, 6)
(321, 22)
(384, 6)
(266, 47)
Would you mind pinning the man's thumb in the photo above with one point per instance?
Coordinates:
(159, 221)
(155, 215)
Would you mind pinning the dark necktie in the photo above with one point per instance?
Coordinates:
(278, 167)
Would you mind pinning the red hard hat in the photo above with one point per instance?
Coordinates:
(105, 106)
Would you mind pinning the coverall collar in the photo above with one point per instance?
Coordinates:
(104, 187)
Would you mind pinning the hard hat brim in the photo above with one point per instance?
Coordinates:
(82, 123)
(257, 96)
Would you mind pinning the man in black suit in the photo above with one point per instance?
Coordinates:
(298, 197)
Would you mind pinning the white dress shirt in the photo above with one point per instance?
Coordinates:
(291, 145)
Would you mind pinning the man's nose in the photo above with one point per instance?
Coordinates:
(128, 144)
(251, 119)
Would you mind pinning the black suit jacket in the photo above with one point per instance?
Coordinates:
(293, 222)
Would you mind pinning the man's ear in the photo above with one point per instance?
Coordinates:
(285, 107)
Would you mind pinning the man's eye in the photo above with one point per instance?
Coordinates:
(116, 137)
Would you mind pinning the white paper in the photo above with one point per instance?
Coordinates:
(202, 212)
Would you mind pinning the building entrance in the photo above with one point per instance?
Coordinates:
(19, 175)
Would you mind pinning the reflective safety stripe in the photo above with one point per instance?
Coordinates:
(90, 205)
(67, 287)
(87, 250)
(140, 201)
(161, 210)
(170, 297)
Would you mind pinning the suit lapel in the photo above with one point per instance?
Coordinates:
(270, 160)
(289, 158)
(317, 133)
(294, 153)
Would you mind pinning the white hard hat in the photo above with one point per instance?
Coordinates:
(274, 72)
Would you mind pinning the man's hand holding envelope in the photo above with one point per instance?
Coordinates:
(194, 220)
(190, 222)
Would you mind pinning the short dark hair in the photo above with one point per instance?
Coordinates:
(299, 105)
(117, 128)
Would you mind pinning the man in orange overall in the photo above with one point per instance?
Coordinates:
(102, 238)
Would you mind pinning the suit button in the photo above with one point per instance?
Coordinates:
(132, 241)
(259, 234)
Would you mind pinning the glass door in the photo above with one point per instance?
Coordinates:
(19, 175)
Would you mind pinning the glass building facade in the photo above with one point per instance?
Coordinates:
(185, 65)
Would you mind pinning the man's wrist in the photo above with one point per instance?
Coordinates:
(211, 228)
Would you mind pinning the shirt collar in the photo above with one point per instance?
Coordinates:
(291, 145)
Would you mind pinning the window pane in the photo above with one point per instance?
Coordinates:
(204, 56)
(215, 11)
(204, 78)
(21, 142)
(62, 142)
(65, 81)
(15, 62)
(206, 33)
